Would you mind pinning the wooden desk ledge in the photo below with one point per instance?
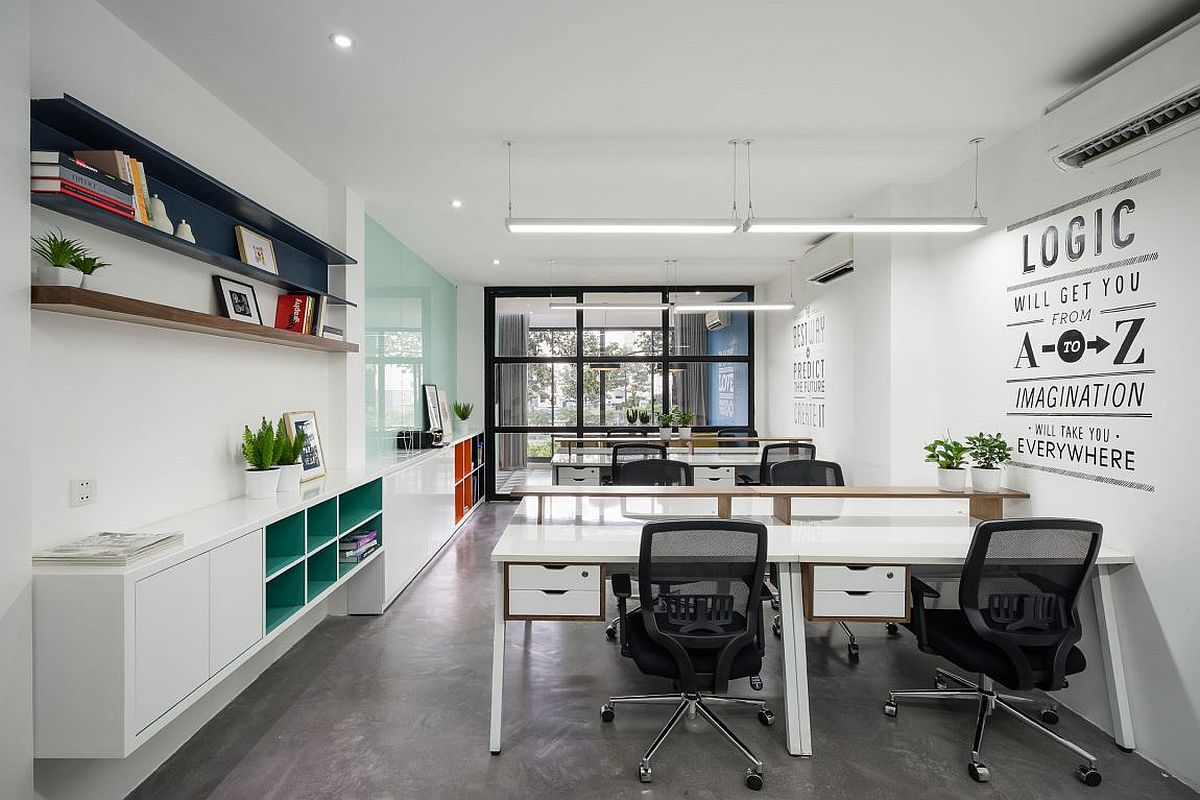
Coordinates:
(983, 505)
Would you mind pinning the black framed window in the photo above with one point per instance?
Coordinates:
(554, 372)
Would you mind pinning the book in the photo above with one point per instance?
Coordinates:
(330, 332)
(114, 162)
(291, 312)
(354, 558)
(141, 193)
(55, 186)
(103, 188)
(320, 315)
(106, 549)
(44, 160)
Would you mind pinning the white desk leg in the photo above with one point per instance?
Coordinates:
(795, 661)
(1114, 661)
(498, 662)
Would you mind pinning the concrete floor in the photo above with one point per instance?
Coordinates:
(397, 707)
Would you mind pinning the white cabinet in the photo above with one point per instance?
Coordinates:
(235, 599)
(713, 476)
(170, 612)
(554, 591)
(577, 476)
(418, 504)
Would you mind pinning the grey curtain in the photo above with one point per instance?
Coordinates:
(689, 389)
(512, 334)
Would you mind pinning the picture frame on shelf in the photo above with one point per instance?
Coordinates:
(444, 410)
(256, 249)
(433, 409)
(312, 457)
(237, 300)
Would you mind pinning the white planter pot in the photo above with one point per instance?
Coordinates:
(952, 480)
(261, 484)
(985, 480)
(50, 275)
(685, 433)
(665, 433)
(289, 478)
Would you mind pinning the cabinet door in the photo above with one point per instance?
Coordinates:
(235, 599)
(170, 622)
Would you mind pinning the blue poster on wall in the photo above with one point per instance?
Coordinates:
(728, 383)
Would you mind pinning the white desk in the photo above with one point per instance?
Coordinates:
(591, 530)
(586, 466)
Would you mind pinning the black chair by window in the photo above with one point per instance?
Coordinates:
(736, 433)
(624, 452)
(653, 472)
(621, 433)
(783, 451)
(699, 625)
(1016, 624)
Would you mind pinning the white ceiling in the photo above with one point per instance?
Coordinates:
(623, 108)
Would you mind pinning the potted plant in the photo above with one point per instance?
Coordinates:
(463, 412)
(88, 265)
(258, 448)
(664, 425)
(989, 453)
(58, 256)
(684, 420)
(287, 457)
(631, 415)
(949, 455)
(644, 416)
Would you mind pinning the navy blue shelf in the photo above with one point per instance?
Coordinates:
(210, 207)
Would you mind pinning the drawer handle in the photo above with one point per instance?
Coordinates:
(858, 567)
(857, 594)
(554, 566)
(554, 591)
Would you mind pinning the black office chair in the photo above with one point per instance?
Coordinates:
(1016, 624)
(736, 433)
(783, 451)
(621, 433)
(700, 622)
(653, 472)
(624, 452)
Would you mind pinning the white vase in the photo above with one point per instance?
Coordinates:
(289, 478)
(158, 215)
(184, 231)
(985, 480)
(685, 433)
(50, 275)
(261, 483)
(952, 480)
(665, 433)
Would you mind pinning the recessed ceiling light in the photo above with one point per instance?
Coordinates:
(456, 203)
(495, 262)
(341, 40)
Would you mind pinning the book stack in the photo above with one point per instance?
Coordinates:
(52, 172)
(107, 549)
(357, 546)
(127, 168)
(306, 314)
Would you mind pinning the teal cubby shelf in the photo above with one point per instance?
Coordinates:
(359, 505)
(322, 572)
(376, 523)
(285, 544)
(322, 524)
(285, 596)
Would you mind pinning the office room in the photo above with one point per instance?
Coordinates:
(556, 399)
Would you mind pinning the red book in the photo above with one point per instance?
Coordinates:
(291, 311)
(68, 189)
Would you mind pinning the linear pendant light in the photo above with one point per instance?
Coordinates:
(630, 225)
(696, 308)
(866, 225)
(571, 306)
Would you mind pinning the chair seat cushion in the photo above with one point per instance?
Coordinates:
(949, 634)
(654, 659)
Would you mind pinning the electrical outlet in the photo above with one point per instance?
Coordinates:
(83, 491)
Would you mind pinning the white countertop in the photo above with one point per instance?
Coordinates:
(702, 457)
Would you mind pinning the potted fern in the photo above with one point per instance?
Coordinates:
(664, 425)
(287, 457)
(989, 453)
(463, 412)
(684, 420)
(259, 450)
(631, 415)
(950, 456)
(57, 259)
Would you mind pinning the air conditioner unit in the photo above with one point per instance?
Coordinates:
(715, 320)
(829, 259)
(1147, 98)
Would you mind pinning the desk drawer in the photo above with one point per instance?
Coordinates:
(578, 476)
(565, 576)
(854, 578)
(710, 476)
(553, 604)
(858, 605)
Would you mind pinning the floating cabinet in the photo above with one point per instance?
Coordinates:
(235, 599)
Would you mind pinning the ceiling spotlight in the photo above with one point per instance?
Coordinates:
(341, 40)
(456, 203)
(495, 262)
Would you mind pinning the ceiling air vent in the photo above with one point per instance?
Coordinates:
(1154, 120)
(832, 274)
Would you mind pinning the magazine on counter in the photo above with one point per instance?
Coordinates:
(110, 548)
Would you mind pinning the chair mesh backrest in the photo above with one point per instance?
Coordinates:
(783, 451)
(624, 452)
(653, 472)
(733, 433)
(806, 473)
(621, 433)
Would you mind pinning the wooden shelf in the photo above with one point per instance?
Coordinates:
(88, 303)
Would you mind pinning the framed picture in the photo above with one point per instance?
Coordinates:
(433, 408)
(238, 300)
(312, 458)
(444, 410)
(256, 249)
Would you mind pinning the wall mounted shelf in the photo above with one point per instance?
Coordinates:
(88, 303)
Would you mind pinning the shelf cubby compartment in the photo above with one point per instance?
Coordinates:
(322, 571)
(285, 595)
(322, 524)
(375, 523)
(359, 505)
(284, 544)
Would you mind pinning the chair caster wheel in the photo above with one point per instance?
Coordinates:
(852, 653)
(1049, 716)
(644, 773)
(766, 717)
(754, 780)
(893, 629)
(940, 684)
(978, 772)
(889, 708)
(611, 633)
(607, 712)
(777, 628)
(1088, 775)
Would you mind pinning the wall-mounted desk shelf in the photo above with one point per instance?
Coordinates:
(88, 303)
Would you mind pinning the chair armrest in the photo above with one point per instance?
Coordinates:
(921, 590)
(622, 586)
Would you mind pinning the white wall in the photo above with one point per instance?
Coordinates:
(469, 381)
(933, 337)
(16, 674)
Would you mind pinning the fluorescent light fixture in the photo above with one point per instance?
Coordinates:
(695, 308)
(341, 40)
(564, 306)
(867, 225)
(679, 226)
